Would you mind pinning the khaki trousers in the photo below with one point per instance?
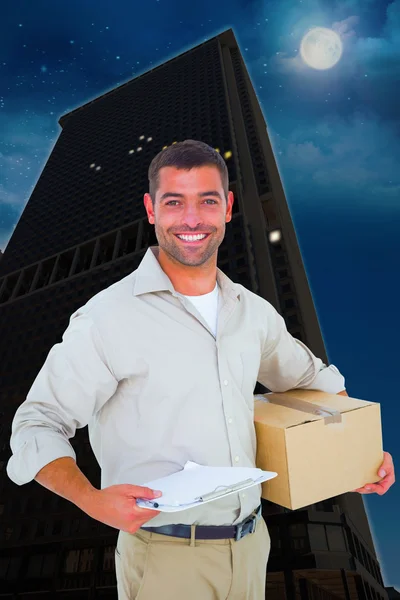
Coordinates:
(151, 566)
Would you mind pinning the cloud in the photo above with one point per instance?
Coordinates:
(350, 156)
(345, 5)
(282, 62)
(26, 142)
(23, 153)
(345, 28)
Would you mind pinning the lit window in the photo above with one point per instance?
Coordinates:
(98, 168)
(149, 139)
(141, 137)
(131, 151)
(275, 236)
(92, 165)
(217, 149)
(139, 149)
(174, 142)
(228, 154)
(165, 147)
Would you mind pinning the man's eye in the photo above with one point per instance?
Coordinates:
(171, 202)
(211, 200)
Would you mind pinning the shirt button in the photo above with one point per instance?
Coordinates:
(237, 459)
(225, 382)
(230, 420)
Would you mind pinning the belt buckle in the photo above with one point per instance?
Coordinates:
(243, 529)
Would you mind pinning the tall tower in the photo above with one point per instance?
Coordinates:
(85, 228)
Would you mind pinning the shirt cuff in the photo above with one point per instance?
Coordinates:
(35, 454)
(329, 380)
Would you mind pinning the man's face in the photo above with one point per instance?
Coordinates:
(189, 203)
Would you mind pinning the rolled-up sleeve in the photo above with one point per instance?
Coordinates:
(287, 363)
(75, 381)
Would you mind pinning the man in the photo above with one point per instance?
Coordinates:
(162, 366)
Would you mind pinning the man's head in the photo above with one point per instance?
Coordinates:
(189, 195)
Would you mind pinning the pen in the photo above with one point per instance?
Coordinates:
(149, 502)
(227, 490)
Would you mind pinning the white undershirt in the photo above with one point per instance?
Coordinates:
(207, 305)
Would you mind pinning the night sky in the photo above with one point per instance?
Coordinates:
(335, 134)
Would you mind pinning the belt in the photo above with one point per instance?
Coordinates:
(211, 532)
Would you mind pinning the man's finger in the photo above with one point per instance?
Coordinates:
(386, 466)
(369, 488)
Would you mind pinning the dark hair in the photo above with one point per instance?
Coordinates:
(187, 155)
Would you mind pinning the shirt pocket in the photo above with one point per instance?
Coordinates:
(251, 359)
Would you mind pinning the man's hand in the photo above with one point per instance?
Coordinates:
(116, 506)
(387, 472)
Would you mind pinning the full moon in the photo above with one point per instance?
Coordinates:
(321, 48)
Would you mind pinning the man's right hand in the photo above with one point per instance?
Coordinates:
(116, 506)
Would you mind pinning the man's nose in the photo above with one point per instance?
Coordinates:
(191, 217)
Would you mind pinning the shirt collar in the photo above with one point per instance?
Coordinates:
(150, 277)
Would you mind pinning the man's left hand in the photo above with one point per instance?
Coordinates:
(386, 471)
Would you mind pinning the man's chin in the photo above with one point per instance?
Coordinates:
(190, 261)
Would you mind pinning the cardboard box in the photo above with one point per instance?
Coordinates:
(321, 445)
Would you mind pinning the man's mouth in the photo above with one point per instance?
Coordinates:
(192, 238)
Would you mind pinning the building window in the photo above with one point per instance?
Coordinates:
(358, 550)
(290, 303)
(4, 567)
(109, 558)
(41, 565)
(293, 320)
(40, 530)
(336, 539)
(276, 546)
(325, 506)
(57, 527)
(298, 537)
(14, 564)
(317, 536)
(25, 530)
(79, 561)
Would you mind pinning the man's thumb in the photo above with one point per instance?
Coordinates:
(143, 492)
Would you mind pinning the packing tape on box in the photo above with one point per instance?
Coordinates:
(330, 414)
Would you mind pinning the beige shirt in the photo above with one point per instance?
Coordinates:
(139, 365)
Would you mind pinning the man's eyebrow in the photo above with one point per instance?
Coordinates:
(202, 194)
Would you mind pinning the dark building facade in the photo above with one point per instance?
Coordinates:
(85, 228)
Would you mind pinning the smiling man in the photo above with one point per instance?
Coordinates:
(162, 366)
(189, 212)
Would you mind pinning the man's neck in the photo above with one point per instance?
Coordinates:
(189, 281)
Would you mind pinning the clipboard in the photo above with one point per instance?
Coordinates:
(195, 485)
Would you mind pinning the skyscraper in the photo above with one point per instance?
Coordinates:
(85, 228)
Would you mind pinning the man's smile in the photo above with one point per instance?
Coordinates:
(192, 238)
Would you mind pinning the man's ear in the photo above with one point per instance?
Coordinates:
(229, 204)
(148, 203)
